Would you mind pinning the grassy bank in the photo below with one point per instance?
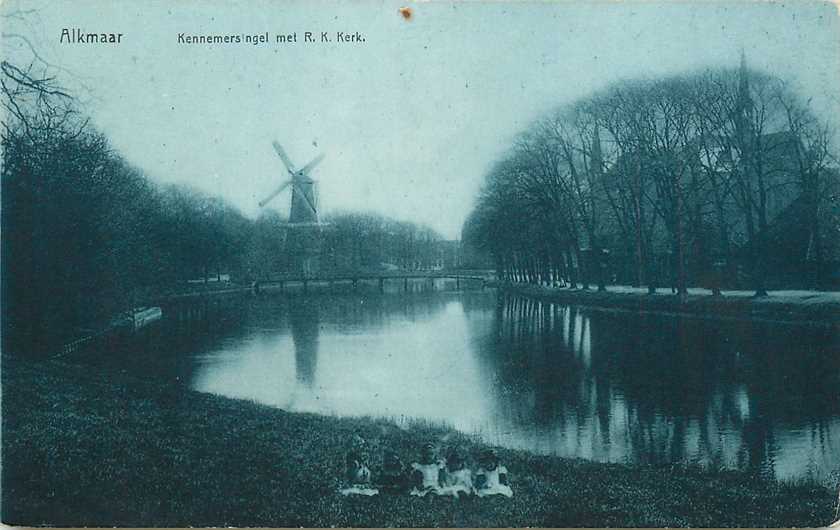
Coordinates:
(785, 306)
(95, 448)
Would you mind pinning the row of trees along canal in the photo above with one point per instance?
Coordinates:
(721, 177)
(86, 235)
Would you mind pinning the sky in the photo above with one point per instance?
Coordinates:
(409, 120)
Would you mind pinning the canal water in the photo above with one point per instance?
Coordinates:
(607, 386)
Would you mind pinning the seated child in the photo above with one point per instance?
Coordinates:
(458, 477)
(393, 478)
(426, 476)
(357, 472)
(491, 477)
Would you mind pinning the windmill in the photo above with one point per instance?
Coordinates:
(303, 237)
(304, 205)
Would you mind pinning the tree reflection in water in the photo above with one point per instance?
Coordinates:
(644, 388)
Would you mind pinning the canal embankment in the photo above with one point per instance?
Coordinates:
(101, 447)
(783, 306)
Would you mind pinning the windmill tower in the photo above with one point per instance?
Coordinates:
(303, 234)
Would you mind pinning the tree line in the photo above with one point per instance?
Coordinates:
(346, 242)
(87, 234)
(718, 178)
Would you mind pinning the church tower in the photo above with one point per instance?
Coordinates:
(596, 160)
(744, 107)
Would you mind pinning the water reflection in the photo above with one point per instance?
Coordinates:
(378, 356)
(553, 379)
(304, 322)
(653, 389)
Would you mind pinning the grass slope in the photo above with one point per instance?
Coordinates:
(94, 448)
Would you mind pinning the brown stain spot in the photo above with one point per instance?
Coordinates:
(406, 12)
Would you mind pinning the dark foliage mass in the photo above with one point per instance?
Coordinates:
(88, 235)
(721, 178)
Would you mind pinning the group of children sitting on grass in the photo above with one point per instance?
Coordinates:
(430, 475)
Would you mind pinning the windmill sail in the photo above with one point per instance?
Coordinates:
(310, 166)
(275, 193)
(283, 156)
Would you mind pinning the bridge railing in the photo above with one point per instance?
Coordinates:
(380, 275)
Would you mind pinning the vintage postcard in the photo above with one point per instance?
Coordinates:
(420, 264)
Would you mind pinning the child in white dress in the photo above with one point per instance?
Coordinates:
(458, 479)
(426, 476)
(491, 477)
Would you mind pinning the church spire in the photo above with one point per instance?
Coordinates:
(596, 162)
(743, 78)
(744, 105)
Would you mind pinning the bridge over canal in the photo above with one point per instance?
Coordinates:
(380, 278)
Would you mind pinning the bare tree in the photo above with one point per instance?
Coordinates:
(694, 171)
(813, 156)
